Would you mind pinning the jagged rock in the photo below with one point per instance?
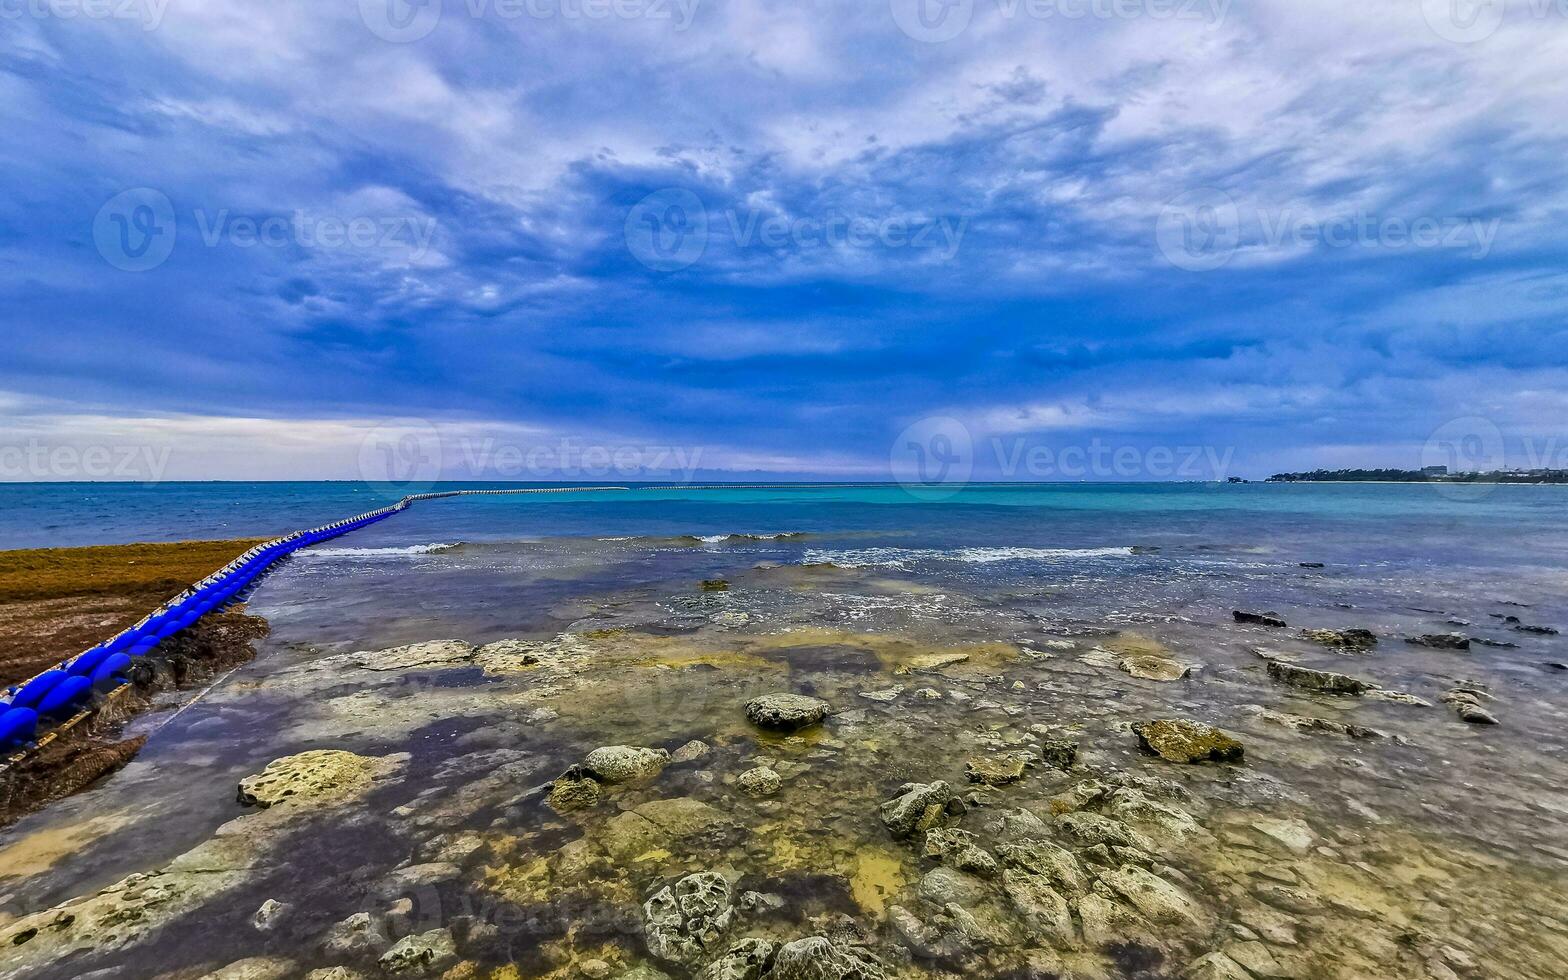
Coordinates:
(424, 954)
(1356, 639)
(925, 663)
(884, 696)
(625, 763)
(574, 790)
(1155, 898)
(1320, 681)
(1310, 725)
(335, 973)
(1135, 807)
(759, 782)
(960, 849)
(1059, 751)
(997, 770)
(1040, 905)
(1258, 618)
(1537, 630)
(916, 806)
(942, 885)
(786, 712)
(321, 777)
(270, 914)
(1441, 641)
(1216, 966)
(1080, 796)
(1049, 861)
(748, 959)
(1296, 835)
(360, 934)
(1466, 702)
(819, 958)
(686, 922)
(1106, 922)
(1089, 829)
(1177, 740)
(1257, 960)
(1152, 668)
(256, 968)
(690, 752)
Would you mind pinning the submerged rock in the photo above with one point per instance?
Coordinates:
(960, 849)
(1152, 668)
(1059, 751)
(1441, 641)
(748, 959)
(786, 712)
(820, 958)
(1041, 906)
(1310, 725)
(574, 790)
(997, 770)
(1177, 740)
(317, 778)
(1320, 681)
(424, 954)
(916, 806)
(1466, 702)
(1258, 618)
(1348, 639)
(685, 922)
(625, 763)
(760, 781)
(1155, 898)
(690, 752)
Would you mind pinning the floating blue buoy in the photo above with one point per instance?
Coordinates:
(18, 726)
(89, 661)
(34, 690)
(65, 697)
(111, 673)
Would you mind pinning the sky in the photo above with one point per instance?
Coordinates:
(707, 239)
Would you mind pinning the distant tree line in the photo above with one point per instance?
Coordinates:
(1417, 476)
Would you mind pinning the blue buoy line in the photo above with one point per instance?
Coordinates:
(40, 708)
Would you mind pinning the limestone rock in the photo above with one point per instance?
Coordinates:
(360, 934)
(1040, 905)
(574, 790)
(1216, 966)
(760, 781)
(256, 968)
(1059, 751)
(1155, 898)
(917, 806)
(820, 958)
(1177, 740)
(1152, 668)
(1049, 861)
(321, 777)
(960, 849)
(1353, 639)
(748, 959)
(997, 770)
(687, 921)
(690, 752)
(1258, 618)
(786, 712)
(270, 914)
(625, 763)
(1441, 641)
(421, 955)
(1296, 835)
(1319, 681)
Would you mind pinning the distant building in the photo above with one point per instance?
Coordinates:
(1434, 471)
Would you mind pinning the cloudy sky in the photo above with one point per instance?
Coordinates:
(282, 239)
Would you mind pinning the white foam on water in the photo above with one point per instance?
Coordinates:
(411, 550)
(901, 557)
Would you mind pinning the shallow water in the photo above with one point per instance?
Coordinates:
(1460, 828)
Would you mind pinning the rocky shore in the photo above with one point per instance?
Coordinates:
(747, 798)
